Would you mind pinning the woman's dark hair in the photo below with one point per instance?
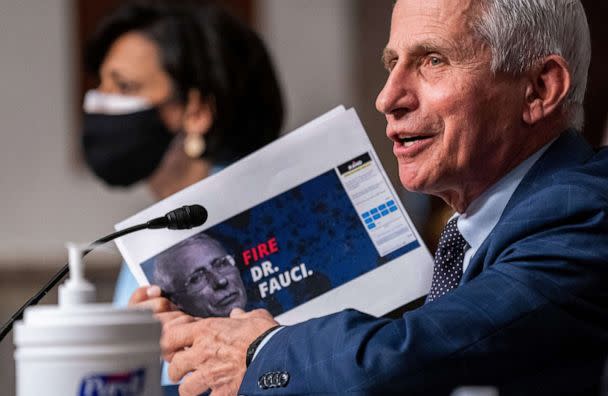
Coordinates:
(204, 47)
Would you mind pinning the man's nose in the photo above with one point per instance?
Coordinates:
(217, 280)
(398, 93)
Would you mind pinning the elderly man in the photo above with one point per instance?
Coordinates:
(483, 102)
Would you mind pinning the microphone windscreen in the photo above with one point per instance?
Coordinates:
(186, 217)
(198, 215)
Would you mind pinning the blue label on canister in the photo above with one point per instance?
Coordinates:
(116, 384)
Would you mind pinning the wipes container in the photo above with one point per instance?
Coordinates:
(82, 348)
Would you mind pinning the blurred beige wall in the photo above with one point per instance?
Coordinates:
(312, 49)
(46, 198)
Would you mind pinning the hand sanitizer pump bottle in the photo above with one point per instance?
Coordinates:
(84, 349)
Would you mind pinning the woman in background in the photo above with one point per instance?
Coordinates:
(185, 89)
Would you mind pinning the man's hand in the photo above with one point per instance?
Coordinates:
(211, 352)
(164, 310)
(150, 297)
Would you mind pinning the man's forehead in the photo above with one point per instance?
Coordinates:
(441, 9)
(441, 25)
(202, 252)
(415, 16)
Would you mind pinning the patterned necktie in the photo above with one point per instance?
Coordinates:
(448, 261)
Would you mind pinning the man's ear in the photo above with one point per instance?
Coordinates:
(546, 91)
(198, 115)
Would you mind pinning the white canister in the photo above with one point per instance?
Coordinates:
(92, 349)
(79, 348)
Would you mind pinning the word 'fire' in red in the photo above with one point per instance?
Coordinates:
(260, 251)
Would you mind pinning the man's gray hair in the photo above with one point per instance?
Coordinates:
(521, 32)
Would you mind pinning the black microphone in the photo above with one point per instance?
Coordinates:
(182, 218)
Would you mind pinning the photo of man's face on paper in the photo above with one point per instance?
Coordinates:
(200, 277)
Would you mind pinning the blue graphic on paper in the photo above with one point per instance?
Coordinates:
(378, 213)
(314, 224)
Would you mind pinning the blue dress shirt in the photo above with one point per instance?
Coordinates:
(484, 212)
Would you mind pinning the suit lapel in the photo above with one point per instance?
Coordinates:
(569, 150)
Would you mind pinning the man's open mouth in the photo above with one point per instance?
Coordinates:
(410, 140)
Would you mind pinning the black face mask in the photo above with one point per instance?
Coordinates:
(124, 149)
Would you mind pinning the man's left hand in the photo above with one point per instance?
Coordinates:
(211, 352)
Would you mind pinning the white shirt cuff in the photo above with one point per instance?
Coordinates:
(265, 341)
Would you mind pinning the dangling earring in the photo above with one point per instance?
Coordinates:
(194, 145)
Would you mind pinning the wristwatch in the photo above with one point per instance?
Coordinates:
(256, 343)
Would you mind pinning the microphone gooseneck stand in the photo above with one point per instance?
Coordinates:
(179, 219)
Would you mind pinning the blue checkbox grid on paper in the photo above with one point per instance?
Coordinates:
(370, 217)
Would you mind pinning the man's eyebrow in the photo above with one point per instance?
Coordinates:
(198, 270)
(428, 46)
(422, 47)
(387, 56)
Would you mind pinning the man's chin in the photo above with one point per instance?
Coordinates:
(225, 310)
(220, 313)
(412, 183)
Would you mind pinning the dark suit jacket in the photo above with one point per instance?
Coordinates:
(530, 317)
